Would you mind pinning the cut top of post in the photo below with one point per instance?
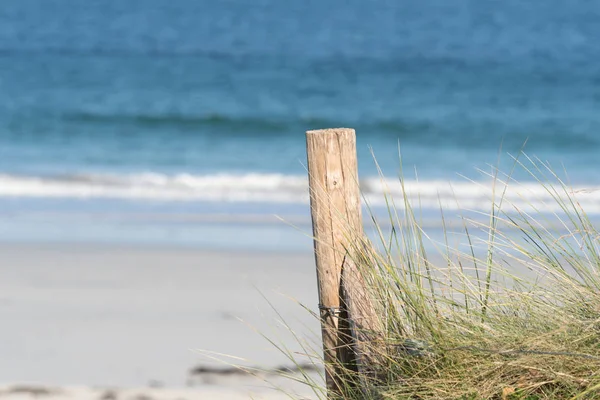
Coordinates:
(333, 174)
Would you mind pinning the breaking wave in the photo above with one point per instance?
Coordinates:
(279, 188)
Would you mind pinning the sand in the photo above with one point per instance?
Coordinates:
(81, 319)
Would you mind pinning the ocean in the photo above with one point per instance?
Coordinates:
(183, 121)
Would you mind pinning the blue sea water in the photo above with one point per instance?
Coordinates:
(127, 114)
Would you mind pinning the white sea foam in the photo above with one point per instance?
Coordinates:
(278, 188)
(154, 186)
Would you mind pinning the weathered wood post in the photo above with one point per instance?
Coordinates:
(337, 228)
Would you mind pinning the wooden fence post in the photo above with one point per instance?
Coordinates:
(337, 228)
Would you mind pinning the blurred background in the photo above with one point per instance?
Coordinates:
(146, 145)
(168, 121)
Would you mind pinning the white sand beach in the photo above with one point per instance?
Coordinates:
(81, 320)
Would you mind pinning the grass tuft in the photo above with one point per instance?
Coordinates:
(512, 311)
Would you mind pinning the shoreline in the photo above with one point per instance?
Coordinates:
(168, 247)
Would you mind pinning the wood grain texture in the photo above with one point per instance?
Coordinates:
(337, 227)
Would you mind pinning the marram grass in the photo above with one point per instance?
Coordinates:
(513, 312)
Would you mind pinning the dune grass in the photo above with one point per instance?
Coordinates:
(510, 312)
